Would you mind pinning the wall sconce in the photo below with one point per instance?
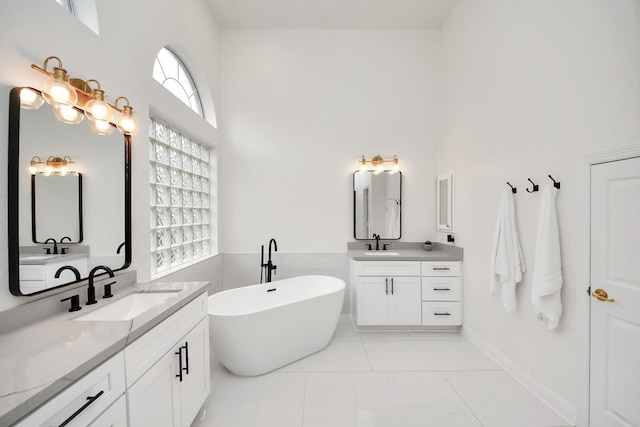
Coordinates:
(58, 165)
(377, 164)
(71, 97)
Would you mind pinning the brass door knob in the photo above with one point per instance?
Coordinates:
(601, 294)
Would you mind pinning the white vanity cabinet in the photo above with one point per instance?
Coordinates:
(441, 293)
(167, 369)
(88, 401)
(387, 292)
(40, 276)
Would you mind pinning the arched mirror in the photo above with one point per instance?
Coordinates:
(80, 217)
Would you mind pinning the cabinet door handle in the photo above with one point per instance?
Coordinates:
(90, 400)
(392, 286)
(441, 268)
(179, 374)
(442, 314)
(441, 289)
(386, 286)
(186, 355)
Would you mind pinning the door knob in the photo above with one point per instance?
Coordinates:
(601, 294)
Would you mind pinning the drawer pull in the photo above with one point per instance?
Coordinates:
(90, 400)
(441, 268)
(386, 286)
(441, 289)
(442, 314)
(392, 286)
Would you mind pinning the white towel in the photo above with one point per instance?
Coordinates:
(547, 271)
(507, 262)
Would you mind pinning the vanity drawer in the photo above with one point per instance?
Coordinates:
(32, 272)
(441, 313)
(442, 268)
(445, 288)
(102, 386)
(387, 268)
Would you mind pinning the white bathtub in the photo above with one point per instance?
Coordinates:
(259, 328)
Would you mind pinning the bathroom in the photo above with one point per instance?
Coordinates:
(495, 91)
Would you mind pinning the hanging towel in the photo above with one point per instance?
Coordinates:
(507, 262)
(393, 217)
(547, 271)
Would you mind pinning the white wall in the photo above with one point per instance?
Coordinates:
(529, 87)
(121, 58)
(299, 108)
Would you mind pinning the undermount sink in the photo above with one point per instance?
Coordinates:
(128, 307)
(38, 257)
(381, 253)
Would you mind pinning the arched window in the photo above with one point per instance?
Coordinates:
(171, 73)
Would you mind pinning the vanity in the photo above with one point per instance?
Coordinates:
(102, 367)
(406, 288)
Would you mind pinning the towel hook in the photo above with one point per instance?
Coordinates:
(535, 187)
(555, 184)
(513, 189)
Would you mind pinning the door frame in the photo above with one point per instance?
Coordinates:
(584, 278)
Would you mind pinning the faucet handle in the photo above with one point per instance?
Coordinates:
(107, 290)
(384, 246)
(47, 251)
(63, 251)
(369, 245)
(75, 302)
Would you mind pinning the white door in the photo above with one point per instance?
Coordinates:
(615, 317)
(405, 301)
(373, 300)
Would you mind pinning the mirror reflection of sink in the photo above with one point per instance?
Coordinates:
(381, 253)
(128, 307)
(38, 257)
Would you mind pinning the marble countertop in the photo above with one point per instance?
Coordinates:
(40, 259)
(41, 359)
(404, 255)
(406, 251)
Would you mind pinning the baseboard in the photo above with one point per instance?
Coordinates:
(555, 402)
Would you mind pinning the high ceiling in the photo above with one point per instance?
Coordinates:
(374, 14)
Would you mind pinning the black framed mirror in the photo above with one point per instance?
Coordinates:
(377, 205)
(56, 207)
(104, 194)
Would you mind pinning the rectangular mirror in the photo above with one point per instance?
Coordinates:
(444, 199)
(377, 203)
(56, 207)
(102, 189)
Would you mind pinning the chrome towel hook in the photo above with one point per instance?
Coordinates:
(535, 187)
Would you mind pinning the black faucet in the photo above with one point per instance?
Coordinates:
(55, 246)
(91, 292)
(269, 266)
(377, 237)
(64, 250)
(68, 267)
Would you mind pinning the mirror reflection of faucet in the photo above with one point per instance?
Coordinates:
(55, 246)
(269, 267)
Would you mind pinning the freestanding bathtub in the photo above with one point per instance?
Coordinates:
(259, 328)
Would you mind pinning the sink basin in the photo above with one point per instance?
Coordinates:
(381, 253)
(128, 307)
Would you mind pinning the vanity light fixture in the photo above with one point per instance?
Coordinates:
(73, 98)
(53, 164)
(377, 164)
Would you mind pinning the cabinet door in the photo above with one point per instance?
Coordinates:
(405, 301)
(195, 385)
(154, 400)
(115, 416)
(373, 301)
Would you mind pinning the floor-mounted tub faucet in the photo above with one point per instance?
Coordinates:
(269, 267)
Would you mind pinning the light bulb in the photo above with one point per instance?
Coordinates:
(58, 91)
(128, 123)
(29, 99)
(101, 127)
(64, 170)
(33, 169)
(67, 114)
(48, 170)
(97, 109)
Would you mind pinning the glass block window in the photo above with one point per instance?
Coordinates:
(171, 72)
(183, 189)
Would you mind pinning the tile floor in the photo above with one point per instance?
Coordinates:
(378, 379)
